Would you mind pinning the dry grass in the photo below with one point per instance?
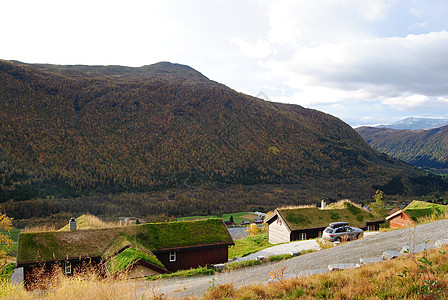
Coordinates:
(432, 218)
(376, 281)
(40, 228)
(341, 204)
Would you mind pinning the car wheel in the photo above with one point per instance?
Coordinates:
(338, 240)
(359, 236)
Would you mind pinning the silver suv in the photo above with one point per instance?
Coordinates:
(340, 231)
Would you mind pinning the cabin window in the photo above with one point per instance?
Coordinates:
(172, 256)
(319, 234)
(279, 221)
(371, 228)
(302, 236)
(68, 268)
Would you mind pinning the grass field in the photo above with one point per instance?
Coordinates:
(237, 217)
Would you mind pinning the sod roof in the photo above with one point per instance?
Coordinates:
(104, 242)
(419, 209)
(313, 217)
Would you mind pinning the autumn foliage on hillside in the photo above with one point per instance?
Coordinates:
(74, 131)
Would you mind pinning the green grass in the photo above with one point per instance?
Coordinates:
(13, 234)
(6, 272)
(237, 217)
(249, 245)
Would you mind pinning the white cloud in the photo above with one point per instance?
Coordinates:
(407, 103)
(259, 49)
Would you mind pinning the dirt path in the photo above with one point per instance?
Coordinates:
(369, 247)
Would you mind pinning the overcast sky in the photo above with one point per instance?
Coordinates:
(364, 61)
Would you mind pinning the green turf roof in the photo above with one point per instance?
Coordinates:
(419, 209)
(59, 245)
(313, 217)
(123, 260)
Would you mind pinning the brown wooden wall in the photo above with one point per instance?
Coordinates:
(38, 276)
(186, 259)
(400, 221)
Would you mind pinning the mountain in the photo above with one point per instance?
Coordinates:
(165, 139)
(417, 124)
(422, 148)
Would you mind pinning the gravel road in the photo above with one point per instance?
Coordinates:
(371, 246)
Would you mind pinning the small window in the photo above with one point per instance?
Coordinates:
(68, 268)
(302, 236)
(319, 234)
(172, 256)
(371, 228)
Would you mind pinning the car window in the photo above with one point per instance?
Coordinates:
(328, 230)
(348, 229)
(341, 229)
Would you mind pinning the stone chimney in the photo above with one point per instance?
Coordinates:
(72, 224)
(323, 204)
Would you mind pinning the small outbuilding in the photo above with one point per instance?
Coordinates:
(411, 214)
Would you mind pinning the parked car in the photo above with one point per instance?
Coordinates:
(340, 231)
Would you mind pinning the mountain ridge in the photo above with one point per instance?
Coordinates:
(79, 131)
(422, 148)
(414, 123)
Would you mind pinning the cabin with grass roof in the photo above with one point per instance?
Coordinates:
(306, 222)
(412, 214)
(135, 250)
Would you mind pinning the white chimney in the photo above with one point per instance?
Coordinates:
(323, 204)
(72, 224)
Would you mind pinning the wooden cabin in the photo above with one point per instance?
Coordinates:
(301, 223)
(137, 250)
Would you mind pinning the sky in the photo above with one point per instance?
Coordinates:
(366, 62)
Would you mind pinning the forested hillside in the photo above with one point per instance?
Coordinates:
(79, 132)
(422, 148)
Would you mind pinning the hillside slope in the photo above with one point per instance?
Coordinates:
(422, 148)
(72, 131)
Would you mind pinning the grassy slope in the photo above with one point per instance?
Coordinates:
(251, 244)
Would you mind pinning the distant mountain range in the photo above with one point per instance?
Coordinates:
(422, 148)
(84, 131)
(416, 124)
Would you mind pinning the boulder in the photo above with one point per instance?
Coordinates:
(413, 248)
(262, 258)
(333, 267)
(441, 243)
(368, 261)
(219, 267)
(294, 253)
(390, 254)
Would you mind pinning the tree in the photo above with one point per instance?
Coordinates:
(5, 224)
(378, 207)
(253, 230)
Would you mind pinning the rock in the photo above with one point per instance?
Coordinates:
(368, 261)
(312, 272)
(390, 254)
(333, 267)
(262, 258)
(219, 267)
(413, 248)
(17, 276)
(294, 253)
(441, 243)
